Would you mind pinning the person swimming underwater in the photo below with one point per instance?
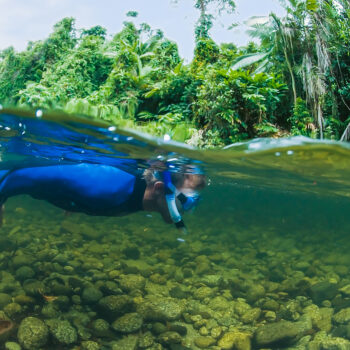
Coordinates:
(104, 190)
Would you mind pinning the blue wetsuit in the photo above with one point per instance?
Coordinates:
(93, 189)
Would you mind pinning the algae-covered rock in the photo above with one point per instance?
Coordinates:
(345, 290)
(281, 333)
(255, 292)
(169, 338)
(241, 307)
(13, 309)
(237, 340)
(22, 260)
(110, 288)
(10, 345)
(128, 342)
(131, 282)
(270, 304)
(50, 310)
(62, 331)
(90, 345)
(128, 323)
(160, 309)
(100, 327)
(212, 280)
(219, 303)
(146, 340)
(33, 287)
(4, 300)
(216, 332)
(158, 279)
(321, 317)
(203, 292)
(343, 316)
(158, 328)
(204, 342)
(24, 273)
(131, 252)
(178, 293)
(323, 291)
(91, 295)
(251, 315)
(32, 333)
(322, 341)
(113, 306)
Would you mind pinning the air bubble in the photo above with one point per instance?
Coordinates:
(112, 128)
(1, 107)
(277, 154)
(39, 113)
(290, 152)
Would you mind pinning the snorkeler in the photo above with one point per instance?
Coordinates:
(104, 190)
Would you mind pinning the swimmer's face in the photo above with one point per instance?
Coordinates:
(156, 193)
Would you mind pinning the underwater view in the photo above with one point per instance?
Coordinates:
(262, 262)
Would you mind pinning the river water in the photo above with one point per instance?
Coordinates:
(265, 263)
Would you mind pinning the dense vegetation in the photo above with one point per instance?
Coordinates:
(295, 81)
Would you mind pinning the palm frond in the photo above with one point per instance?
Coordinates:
(247, 60)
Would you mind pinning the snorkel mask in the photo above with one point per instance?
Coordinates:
(188, 201)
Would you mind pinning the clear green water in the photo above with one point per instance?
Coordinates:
(265, 264)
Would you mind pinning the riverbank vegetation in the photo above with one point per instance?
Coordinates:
(294, 81)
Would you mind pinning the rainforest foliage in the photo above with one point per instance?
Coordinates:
(294, 81)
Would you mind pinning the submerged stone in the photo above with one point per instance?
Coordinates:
(343, 316)
(160, 309)
(128, 323)
(131, 252)
(62, 331)
(32, 333)
(323, 291)
(90, 345)
(4, 300)
(281, 333)
(146, 340)
(24, 273)
(212, 280)
(237, 340)
(13, 309)
(10, 345)
(91, 295)
(115, 305)
(168, 338)
(128, 342)
(204, 342)
(132, 282)
(100, 327)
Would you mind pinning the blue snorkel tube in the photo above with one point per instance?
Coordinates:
(171, 194)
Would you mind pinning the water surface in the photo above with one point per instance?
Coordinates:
(268, 244)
